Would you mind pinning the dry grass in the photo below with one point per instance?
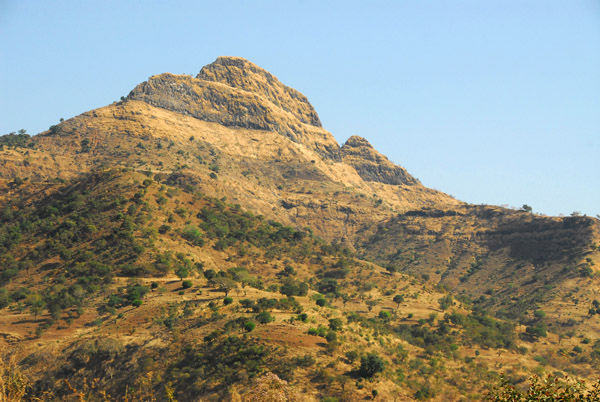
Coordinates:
(13, 381)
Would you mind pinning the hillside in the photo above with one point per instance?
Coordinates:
(202, 232)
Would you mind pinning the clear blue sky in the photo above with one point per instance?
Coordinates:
(494, 102)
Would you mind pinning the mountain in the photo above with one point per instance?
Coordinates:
(229, 181)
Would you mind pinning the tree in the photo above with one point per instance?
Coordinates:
(526, 208)
(370, 365)
(210, 274)
(225, 285)
(182, 272)
(398, 299)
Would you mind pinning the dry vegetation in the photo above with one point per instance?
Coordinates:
(150, 255)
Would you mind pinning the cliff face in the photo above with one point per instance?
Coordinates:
(236, 93)
(371, 165)
(239, 73)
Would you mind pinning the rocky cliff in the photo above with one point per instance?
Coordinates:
(236, 93)
(371, 165)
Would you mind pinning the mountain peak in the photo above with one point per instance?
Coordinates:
(373, 166)
(356, 141)
(234, 92)
(240, 73)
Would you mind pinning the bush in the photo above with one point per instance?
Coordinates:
(385, 315)
(370, 365)
(227, 301)
(186, 284)
(335, 324)
(321, 302)
(264, 317)
(352, 356)
(249, 326)
(536, 331)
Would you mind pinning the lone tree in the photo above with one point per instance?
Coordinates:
(398, 299)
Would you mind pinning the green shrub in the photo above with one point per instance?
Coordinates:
(370, 365)
(335, 324)
(385, 315)
(186, 284)
(227, 300)
(249, 326)
(264, 317)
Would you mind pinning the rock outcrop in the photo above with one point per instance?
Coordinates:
(237, 72)
(236, 93)
(373, 166)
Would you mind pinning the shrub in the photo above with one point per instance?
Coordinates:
(370, 365)
(227, 301)
(247, 303)
(321, 302)
(335, 324)
(536, 331)
(385, 315)
(446, 302)
(249, 326)
(264, 317)
(193, 235)
(186, 284)
(351, 355)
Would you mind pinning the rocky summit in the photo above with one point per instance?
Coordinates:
(371, 165)
(206, 239)
(237, 93)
